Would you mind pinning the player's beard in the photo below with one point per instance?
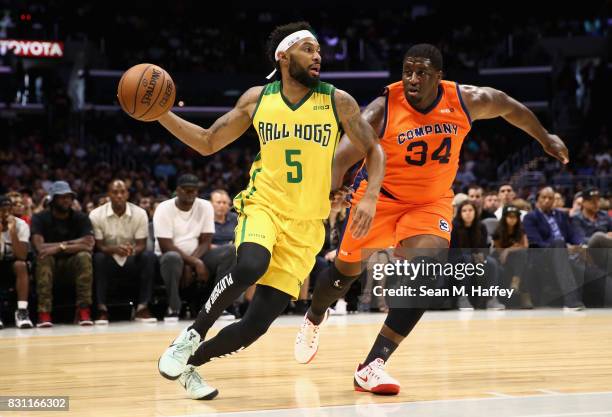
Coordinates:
(301, 75)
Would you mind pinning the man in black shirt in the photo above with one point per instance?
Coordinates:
(64, 241)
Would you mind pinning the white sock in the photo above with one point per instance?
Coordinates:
(22, 305)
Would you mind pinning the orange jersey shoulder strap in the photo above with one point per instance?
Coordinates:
(452, 93)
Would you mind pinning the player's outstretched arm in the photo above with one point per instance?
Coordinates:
(362, 135)
(223, 131)
(488, 103)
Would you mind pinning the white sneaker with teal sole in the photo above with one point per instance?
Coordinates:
(172, 362)
(195, 386)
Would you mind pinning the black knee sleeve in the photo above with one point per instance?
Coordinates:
(251, 263)
(330, 287)
(403, 320)
(268, 303)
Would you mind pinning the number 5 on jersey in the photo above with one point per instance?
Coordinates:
(293, 176)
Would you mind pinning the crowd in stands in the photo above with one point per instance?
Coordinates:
(572, 246)
(117, 251)
(150, 162)
(186, 36)
(150, 165)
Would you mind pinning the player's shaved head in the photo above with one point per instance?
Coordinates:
(426, 51)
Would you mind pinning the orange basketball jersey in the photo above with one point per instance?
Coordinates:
(422, 147)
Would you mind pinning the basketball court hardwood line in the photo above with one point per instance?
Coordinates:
(115, 374)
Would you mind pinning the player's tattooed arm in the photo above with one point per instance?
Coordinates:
(363, 136)
(223, 131)
(488, 103)
(348, 154)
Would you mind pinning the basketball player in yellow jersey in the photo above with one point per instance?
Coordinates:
(298, 120)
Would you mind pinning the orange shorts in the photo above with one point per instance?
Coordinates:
(395, 221)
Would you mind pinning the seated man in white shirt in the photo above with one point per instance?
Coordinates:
(506, 196)
(184, 227)
(14, 238)
(121, 259)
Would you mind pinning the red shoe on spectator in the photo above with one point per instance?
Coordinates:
(83, 316)
(44, 320)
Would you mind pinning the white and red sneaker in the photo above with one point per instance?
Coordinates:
(373, 378)
(307, 340)
(83, 316)
(44, 320)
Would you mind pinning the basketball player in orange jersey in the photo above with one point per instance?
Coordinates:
(422, 121)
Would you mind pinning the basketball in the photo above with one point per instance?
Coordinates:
(146, 91)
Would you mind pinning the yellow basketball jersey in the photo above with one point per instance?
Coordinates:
(292, 173)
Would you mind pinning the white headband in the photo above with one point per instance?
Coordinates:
(287, 43)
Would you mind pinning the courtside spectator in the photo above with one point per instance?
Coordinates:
(469, 245)
(225, 220)
(14, 238)
(559, 202)
(490, 203)
(121, 230)
(28, 203)
(184, 227)
(510, 242)
(596, 227)
(506, 196)
(19, 208)
(576, 204)
(146, 203)
(64, 241)
(595, 224)
(458, 199)
(550, 228)
(475, 196)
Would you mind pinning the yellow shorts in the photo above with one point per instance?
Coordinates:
(294, 244)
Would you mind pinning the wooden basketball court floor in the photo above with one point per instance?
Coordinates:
(541, 363)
